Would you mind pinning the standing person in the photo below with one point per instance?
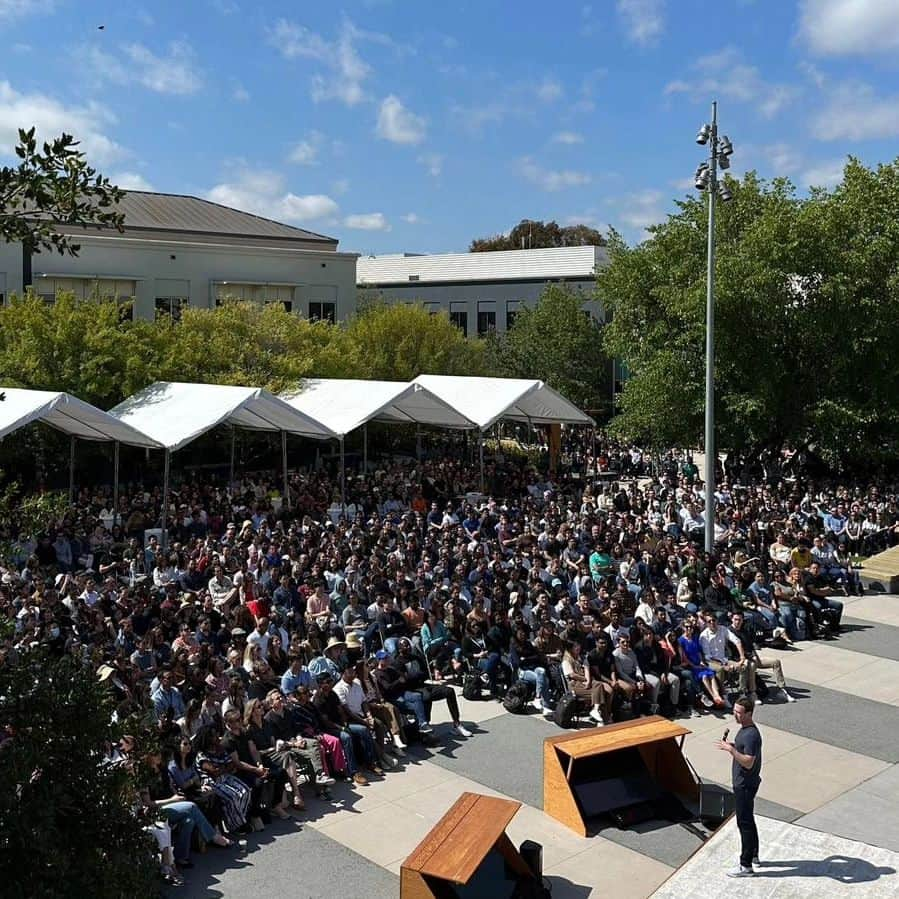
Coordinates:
(746, 751)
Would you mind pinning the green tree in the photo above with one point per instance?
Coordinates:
(557, 343)
(398, 342)
(807, 310)
(528, 234)
(66, 825)
(53, 186)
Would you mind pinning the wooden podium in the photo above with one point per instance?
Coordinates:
(451, 856)
(597, 770)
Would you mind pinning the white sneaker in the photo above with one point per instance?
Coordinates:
(695, 713)
(741, 872)
(425, 729)
(324, 781)
(397, 741)
(461, 730)
(596, 716)
(537, 704)
(787, 695)
(547, 711)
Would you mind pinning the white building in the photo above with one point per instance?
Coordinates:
(482, 291)
(178, 251)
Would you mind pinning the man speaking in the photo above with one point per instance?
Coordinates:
(746, 751)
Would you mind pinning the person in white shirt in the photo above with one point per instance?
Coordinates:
(349, 691)
(714, 640)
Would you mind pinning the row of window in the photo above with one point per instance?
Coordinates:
(486, 315)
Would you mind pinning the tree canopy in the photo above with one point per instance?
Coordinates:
(807, 310)
(52, 186)
(532, 234)
(557, 343)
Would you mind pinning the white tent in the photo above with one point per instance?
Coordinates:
(345, 404)
(176, 413)
(486, 401)
(72, 416)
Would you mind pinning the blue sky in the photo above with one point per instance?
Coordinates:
(399, 126)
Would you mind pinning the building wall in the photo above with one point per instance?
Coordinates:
(449, 297)
(160, 267)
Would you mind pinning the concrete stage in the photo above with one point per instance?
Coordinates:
(795, 862)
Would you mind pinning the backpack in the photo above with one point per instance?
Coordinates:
(566, 709)
(516, 698)
(471, 686)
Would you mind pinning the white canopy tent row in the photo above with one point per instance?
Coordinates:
(66, 413)
(345, 404)
(487, 401)
(175, 413)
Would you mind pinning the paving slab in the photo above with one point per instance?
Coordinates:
(796, 862)
(869, 637)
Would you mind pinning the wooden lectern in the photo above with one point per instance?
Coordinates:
(601, 769)
(468, 842)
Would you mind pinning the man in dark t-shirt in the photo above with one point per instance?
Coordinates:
(746, 751)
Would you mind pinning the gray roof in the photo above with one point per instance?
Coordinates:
(151, 211)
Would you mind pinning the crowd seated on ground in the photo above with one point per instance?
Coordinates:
(279, 647)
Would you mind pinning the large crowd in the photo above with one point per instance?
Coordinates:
(277, 645)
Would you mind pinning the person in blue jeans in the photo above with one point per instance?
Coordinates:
(528, 661)
(182, 815)
(394, 688)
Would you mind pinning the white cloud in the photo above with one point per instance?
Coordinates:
(433, 163)
(782, 158)
(304, 153)
(568, 137)
(824, 174)
(240, 93)
(16, 9)
(264, 193)
(341, 186)
(398, 124)
(641, 209)
(854, 112)
(549, 90)
(131, 181)
(550, 180)
(367, 221)
(173, 73)
(345, 70)
(412, 219)
(727, 74)
(644, 20)
(50, 118)
(850, 27)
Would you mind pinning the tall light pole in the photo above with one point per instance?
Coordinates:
(706, 179)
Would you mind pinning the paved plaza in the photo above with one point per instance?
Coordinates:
(829, 796)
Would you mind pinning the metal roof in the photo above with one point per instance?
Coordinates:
(151, 211)
(501, 265)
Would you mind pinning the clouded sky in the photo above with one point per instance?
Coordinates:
(415, 126)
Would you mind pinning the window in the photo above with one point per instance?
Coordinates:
(432, 307)
(88, 289)
(512, 307)
(254, 293)
(486, 317)
(322, 312)
(170, 307)
(459, 316)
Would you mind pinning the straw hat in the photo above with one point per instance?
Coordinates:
(335, 641)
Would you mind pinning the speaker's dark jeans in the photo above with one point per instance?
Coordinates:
(744, 798)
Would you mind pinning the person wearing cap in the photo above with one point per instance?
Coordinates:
(330, 661)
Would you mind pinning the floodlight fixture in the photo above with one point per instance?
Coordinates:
(724, 193)
(725, 147)
(704, 134)
(723, 162)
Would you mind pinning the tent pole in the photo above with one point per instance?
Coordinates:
(365, 449)
(342, 474)
(72, 469)
(115, 481)
(481, 456)
(286, 503)
(165, 500)
(233, 441)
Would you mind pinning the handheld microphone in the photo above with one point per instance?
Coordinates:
(726, 732)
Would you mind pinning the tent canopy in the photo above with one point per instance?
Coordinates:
(346, 404)
(175, 413)
(488, 400)
(68, 414)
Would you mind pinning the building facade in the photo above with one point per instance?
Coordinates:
(179, 251)
(482, 292)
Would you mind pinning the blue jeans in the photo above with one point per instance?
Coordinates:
(789, 613)
(363, 735)
(184, 817)
(490, 665)
(536, 676)
(346, 743)
(823, 602)
(413, 701)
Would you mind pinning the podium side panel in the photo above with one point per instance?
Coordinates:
(558, 800)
